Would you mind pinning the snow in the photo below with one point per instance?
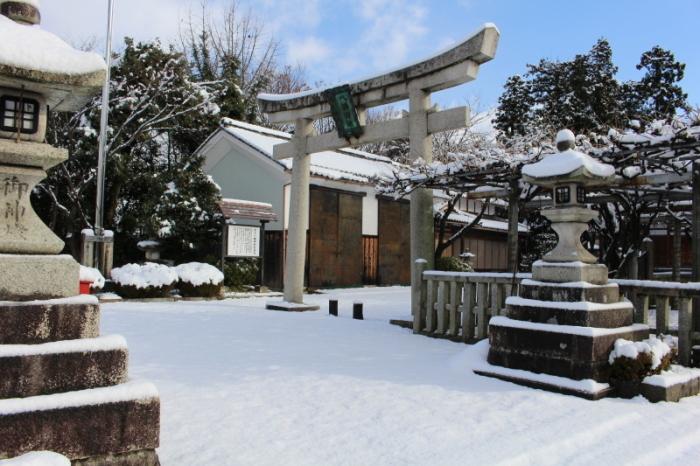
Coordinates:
(502, 321)
(32, 48)
(92, 275)
(631, 349)
(133, 390)
(344, 164)
(531, 282)
(37, 458)
(86, 345)
(460, 216)
(144, 276)
(568, 305)
(241, 385)
(80, 299)
(148, 244)
(676, 375)
(565, 163)
(565, 135)
(197, 274)
(658, 284)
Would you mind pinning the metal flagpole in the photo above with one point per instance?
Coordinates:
(99, 209)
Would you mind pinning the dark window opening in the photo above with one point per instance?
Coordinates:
(562, 195)
(581, 195)
(19, 115)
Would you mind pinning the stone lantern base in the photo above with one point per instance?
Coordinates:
(64, 388)
(559, 332)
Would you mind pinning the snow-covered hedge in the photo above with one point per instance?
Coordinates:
(149, 280)
(632, 361)
(89, 274)
(199, 280)
(37, 458)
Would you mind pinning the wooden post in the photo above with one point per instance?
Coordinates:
(685, 331)
(357, 313)
(261, 269)
(224, 247)
(333, 307)
(513, 214)
(299, 215)
(676, 264)
(468, 312)
(418, 295)
(696, 241)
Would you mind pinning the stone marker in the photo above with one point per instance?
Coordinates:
(567, 318)
(63, 388)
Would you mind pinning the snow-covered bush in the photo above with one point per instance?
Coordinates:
(199, 279)
(631, 361)
(92, 275)
(452, 264)
(144, 281)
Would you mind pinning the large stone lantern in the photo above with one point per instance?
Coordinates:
(63, 386)
(566, 319)
(38, 73)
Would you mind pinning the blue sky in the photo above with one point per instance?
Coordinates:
(345, 39)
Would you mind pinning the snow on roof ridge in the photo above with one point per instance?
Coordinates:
(244, 201)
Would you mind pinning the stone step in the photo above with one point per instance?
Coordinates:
(581, 313)
(30, 370)
(86, 426)
(34, 322)
(571, 291)
(563, 272)
(562, 350)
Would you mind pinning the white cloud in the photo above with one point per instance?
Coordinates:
(307, 51)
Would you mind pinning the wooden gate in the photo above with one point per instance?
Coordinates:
(394, 243)
(335, 238)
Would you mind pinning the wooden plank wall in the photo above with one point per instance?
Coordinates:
(394, 243)
(370, 251)
(335, 238)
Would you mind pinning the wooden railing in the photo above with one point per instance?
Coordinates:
(458, 305)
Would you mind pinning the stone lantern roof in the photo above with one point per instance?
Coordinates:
(38, 61)
(568, 166)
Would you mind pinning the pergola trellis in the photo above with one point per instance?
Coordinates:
(663, 169)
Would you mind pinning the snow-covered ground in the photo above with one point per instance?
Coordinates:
(242, 385)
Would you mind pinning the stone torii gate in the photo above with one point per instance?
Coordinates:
(348, 105)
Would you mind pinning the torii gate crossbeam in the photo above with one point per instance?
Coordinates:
(450, 68)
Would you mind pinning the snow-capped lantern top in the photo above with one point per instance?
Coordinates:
(38, 70)
(568, 170)
(22, 11)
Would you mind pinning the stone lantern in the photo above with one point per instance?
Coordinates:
(63, 386)
(566, 319)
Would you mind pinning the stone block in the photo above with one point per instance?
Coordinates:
(134, 458)
(596, 274)
(612, 316)
(55, 320)
(42, 374)
(678, 385)
(83, 431)
(38, 277)
(563, 351)
(577, 291)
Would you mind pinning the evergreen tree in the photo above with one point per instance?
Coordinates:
(514, 114)
(657, 96)
(157, 117)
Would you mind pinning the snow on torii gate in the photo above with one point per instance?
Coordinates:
(458, 65)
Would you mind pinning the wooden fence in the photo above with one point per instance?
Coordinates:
(458, 305)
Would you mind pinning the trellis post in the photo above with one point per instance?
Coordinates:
(696, 240)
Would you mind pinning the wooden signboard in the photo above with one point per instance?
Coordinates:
(243, 241)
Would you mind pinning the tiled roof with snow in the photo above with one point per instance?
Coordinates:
(344, 164)
(237, 208)
(486, 223)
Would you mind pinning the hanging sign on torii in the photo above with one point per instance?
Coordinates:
(348, 105)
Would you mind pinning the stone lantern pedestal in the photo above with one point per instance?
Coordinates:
(63, 387)
(559, 332)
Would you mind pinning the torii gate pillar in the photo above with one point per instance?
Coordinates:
(422, 215)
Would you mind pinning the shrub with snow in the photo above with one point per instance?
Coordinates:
(92, 275)
(149, 280)
(37, 458)
(199, 280)
(631, 361)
